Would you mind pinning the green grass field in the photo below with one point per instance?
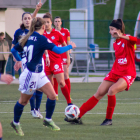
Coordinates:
(126, 119)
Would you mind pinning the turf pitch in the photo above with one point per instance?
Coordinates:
(126, 119)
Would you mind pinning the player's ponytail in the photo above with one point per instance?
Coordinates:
(35, 26)
(118, 24)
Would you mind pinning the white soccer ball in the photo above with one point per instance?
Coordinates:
(72, 112)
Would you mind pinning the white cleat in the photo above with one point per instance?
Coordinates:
(34, 114)
(39, 114)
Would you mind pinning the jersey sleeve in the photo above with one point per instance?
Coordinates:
(46, 44)
(18, 47)
(16, 35)
(68, 33)
(132, 39)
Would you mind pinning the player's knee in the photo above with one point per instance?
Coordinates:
(111, 91)
(23, 102)
(52, 96)
(61, 83)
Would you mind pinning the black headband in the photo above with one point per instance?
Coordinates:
(116, 25)
(25, 13)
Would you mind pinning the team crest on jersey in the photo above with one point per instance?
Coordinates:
(129, 77)
(30, 90)
(56, 66)
(23, 34)
(123, 45)
(52, 37)
(63, 34)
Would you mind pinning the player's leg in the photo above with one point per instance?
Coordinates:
(18, 109)
(66, 77)
(63, 86)
(32, 104)
(92, 102)
(50, 105)
(0, 131)
(55, 86)
(38, 96)
(119, 86)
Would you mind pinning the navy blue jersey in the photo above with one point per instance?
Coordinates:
(17, 36)
(34, 49)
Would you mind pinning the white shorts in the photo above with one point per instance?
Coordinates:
(30, 81)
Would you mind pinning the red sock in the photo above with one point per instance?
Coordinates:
(88, 105)
(67, 81)
(55, 86)
(66, 93)
(111, 106)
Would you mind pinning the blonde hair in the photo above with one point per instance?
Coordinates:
(36, 24)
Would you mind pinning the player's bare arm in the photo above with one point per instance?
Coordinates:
(38, 6)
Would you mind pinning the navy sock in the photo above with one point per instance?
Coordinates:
(50, 106)
(18, 109)
(32, 101)
(0, 138)
(39, 95)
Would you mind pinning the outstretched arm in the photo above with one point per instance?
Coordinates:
(38, 6)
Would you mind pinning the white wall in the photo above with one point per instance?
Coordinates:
(2, 21)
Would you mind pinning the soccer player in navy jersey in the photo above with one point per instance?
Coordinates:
(33, 77)
(7, 79)
(22, 31)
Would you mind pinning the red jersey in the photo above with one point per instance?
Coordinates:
(124, 64)
(57, 38)
(65, 32)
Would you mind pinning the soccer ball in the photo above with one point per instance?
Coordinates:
(72, 112)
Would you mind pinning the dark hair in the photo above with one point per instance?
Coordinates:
(35, 26)
(118, 24)
(1, 33)
(22, 25)
(48, 15)
(57, 17)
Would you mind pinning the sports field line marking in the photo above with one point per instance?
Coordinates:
(99, 103)
(80, 99)
(86, 113)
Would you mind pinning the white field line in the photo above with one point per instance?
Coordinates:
(80, 99)
(86, 113)
(98, 103)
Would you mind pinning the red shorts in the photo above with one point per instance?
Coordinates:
(64, 58)
(54, 68)
(114, 78)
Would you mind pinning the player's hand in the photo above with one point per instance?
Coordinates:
(72, 44)
(39, 5)
(47, 61)
(117, 34)
(6, 78)
(17, 65)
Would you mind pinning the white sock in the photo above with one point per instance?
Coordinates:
(16, 123)
(48, 120)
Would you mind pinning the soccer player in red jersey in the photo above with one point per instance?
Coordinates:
(53, 61)
(121, 75)
(66, 34)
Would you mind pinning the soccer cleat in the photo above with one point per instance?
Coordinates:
(39, 114)
(107, 122)
(17, 129)
(34, 113)
(70, 104)
(51, 125)
(57, 98)
(75, 121)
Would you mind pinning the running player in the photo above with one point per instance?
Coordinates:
(7, 79)
(33, 76)
(54, 61)
(121, 75)
(23, 30)
(66, 34)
